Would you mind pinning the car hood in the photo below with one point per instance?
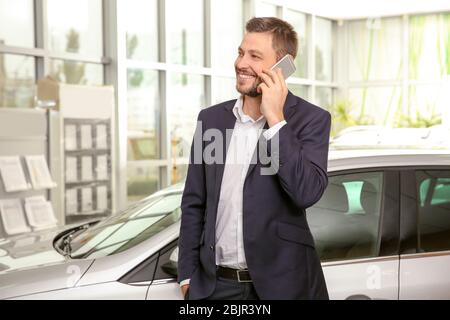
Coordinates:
(61, 275)
(29, 264)
(33, 249)
(29, 250)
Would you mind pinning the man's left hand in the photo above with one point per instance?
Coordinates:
(274, 92)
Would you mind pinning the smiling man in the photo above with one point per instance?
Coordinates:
(244, 234)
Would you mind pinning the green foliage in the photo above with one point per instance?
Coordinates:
(70, 71)
(132, 44)
(419, 121)
(443, 43)
(343, 118)
(135, 78)
(73, 41)
(74, 72)
(416, 37)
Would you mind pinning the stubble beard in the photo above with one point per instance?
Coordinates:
(252, 92)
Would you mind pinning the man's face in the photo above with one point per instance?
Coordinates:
(255, 54)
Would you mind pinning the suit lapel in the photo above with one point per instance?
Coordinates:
(228, 123)
(290, 101)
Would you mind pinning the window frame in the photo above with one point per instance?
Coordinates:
(388, 225)
(42, 53)
(410, 199)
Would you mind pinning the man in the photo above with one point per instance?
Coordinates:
(244, 233)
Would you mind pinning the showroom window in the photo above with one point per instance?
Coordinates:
(266, 9)
(345, 222)
(434, 210)
(75, 72)
(67, 45)
(299, 21)
(17, 81)
(324, 49)
(398, 70)
(17, 23)
(17, 72)
(75, 26)
(185, 32)
(142, 30)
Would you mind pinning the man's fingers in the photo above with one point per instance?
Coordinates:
(184, 289)
(280, 77)
(271, 74)
(266, 79)
(262, 87)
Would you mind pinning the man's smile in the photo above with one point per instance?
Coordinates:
(245, 76)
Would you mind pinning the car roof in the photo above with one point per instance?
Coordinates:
(339, 160)
(379, 158)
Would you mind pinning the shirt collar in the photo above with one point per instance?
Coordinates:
(238, 111)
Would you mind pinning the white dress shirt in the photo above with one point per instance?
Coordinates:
(229, 235)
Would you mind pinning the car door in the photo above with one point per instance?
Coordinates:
(355, 227)
(425, 233)
(157, 274)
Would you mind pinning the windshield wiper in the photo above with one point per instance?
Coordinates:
(67, 245)
(67, 240)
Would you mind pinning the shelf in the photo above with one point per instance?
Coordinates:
(84, 183)
(87, 152)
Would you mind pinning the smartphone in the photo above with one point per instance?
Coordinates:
(287, 66)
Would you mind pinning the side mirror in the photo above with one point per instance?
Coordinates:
(171, 267)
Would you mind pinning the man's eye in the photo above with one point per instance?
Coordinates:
(255, 57)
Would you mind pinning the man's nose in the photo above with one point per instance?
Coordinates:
(242, 62)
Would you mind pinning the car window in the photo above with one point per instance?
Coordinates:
(345, 222)
(433, 188)
(128, 229)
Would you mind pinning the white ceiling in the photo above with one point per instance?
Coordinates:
(354, 9)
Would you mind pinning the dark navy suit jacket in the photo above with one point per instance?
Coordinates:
(279, 247)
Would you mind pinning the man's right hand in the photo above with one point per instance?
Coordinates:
(184, 290)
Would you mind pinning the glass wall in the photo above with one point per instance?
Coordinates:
(298, 21)
(185, 32)
(398, 71)
(324, 49)
(375, 49)
(67, 45)
(17, 23)
(17, 72)
(141, 23)
(75, 26)
(17, 81)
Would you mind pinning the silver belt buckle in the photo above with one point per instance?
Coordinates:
(239, 276)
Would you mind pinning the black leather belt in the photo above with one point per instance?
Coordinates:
(234, 274)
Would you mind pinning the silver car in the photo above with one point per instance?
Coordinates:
(382, 230)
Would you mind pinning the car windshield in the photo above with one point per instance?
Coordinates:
(131, 227)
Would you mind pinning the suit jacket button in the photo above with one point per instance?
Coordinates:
(211, 247)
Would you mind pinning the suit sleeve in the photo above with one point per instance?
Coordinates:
(193, 205)
(303, 160)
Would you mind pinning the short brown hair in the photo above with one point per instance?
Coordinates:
(284, 37)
